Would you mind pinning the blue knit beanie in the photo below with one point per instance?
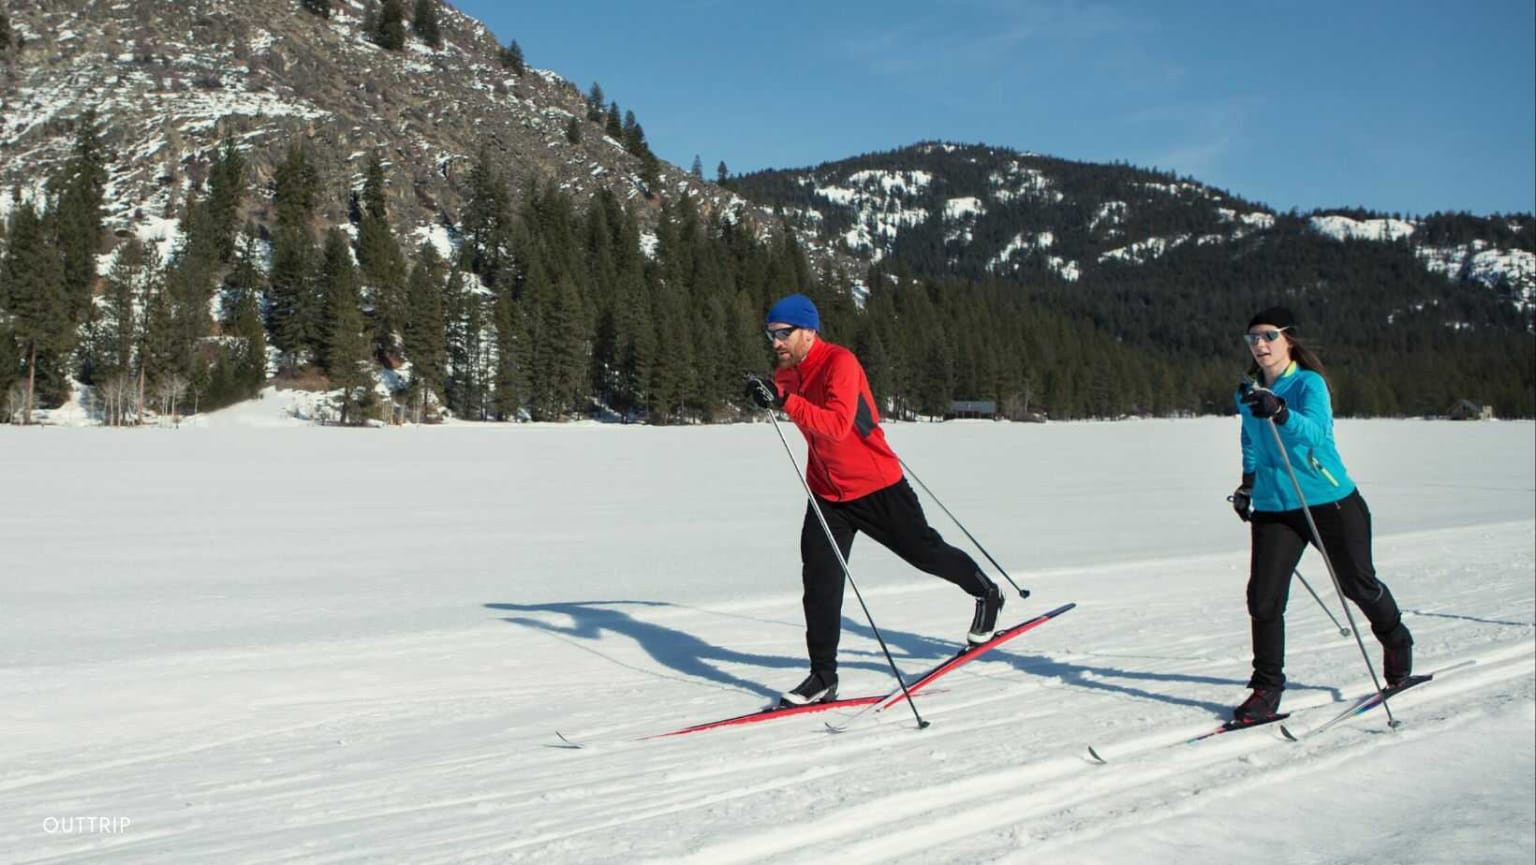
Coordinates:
(797, 310)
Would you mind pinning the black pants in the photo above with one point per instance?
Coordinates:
(1279, 539)
(894, 518)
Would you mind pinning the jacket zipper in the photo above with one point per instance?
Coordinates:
(1317, 465)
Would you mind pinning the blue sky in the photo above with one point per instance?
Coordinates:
(1402, 107)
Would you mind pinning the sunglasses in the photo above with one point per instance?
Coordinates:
(780, 333)
(1265, 335)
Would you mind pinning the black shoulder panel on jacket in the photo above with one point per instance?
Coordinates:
(864, 419)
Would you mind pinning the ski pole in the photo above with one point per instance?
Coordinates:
(1023, 592)
(1343, 631)
(1317, 538)
(843, 563)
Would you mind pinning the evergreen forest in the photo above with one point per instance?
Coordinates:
(550, 308)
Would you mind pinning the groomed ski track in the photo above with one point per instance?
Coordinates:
(269, 705)
(1017, 727)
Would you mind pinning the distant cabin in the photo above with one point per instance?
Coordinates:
(1465, 409)
(972, 408)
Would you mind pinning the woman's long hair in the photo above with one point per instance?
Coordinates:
(1305, 358)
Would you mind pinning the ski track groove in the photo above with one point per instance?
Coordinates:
(990, 803)
(327, 796)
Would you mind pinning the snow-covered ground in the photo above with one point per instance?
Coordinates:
(244, 643)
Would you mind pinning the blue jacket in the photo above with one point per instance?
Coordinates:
(1308, 438)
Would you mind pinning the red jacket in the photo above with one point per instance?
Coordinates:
(829, 400)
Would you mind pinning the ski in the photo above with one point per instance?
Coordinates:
(877, 702)
(1231, 726)
(965, 656)
(1228, 727)
(772, 713)
(1360, 707)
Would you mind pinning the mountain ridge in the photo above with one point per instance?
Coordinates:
(171, 83)
(1110, 258)
(1031, 215)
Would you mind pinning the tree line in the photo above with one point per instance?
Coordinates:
(543, 307)
(1399, 338)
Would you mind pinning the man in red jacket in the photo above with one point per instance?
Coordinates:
(856, 481)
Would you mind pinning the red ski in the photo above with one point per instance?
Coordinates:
(770, 714)
(876, 703)
(965, 656)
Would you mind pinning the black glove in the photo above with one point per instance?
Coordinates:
(1263, 403)
(1242, 498)
(763, 393)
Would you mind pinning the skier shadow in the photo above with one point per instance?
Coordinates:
(917, 647)
(1096, 678)
(679, 651)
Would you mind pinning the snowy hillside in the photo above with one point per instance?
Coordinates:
(170, 82)
(358, 646)
(1022, 215)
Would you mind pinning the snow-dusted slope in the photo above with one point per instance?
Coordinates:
(170, 82)
(357, 646)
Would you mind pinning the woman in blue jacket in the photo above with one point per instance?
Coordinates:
(1291, 391)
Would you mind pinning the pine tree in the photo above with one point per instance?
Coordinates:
(424, 23)
(160, 354)
(40, 320)
(191, 281)
(134, 269)
(510, 390)
(383, 266)
(748, 351)
(712, 353)
(599, 237)
(871, 353)
(466, 352)
(77, 218)
(487, 219)
(635, 337)
(634, 135)
(388, 31)
(573, 131)
(650, 173)
(372, 201)
(722, 174)
(294, 310)
(613, 124)
(511, 56)
(425, 326)
(296, 306)
(318, 7)
(242, 302)
(698, 167)
(344, 352)
(5, 32)
(455, 313)
(595, 103)
(226, 189)
(192, 278)
(555, 362)
(671, 375)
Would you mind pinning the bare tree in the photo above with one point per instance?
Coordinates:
(15, 403)
(101, 402)
(168, 390)
(117, 396)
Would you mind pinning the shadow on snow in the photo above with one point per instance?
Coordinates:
(695, 659)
